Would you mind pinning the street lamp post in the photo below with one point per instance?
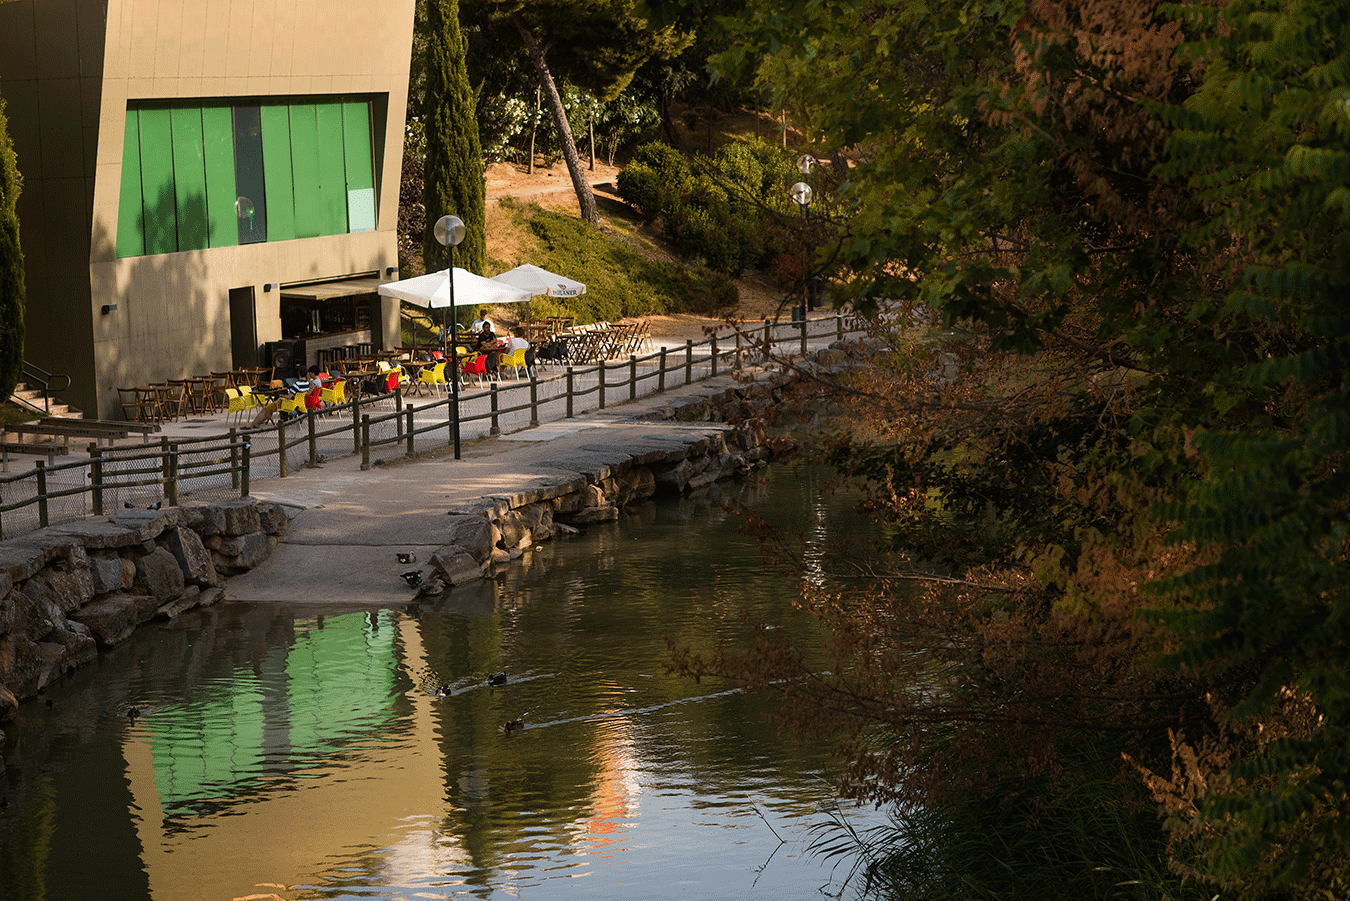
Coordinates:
(801, 195)
(450, 232)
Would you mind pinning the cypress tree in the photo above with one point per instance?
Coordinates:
(11, 264)
(454, 162)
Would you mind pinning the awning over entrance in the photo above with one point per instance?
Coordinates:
(329, 290)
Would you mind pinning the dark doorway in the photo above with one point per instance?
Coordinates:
(243, 328)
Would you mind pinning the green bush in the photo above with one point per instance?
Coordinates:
(640, 187)
(741, 170)
(666, 161)
(718, 216)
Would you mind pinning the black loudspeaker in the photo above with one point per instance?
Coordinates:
(286, 357)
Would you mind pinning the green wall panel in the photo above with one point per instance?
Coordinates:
(312, 163)
(189, 177)
(218, 150)
(130, 236)
(157, 191)
(359, 165)
(305, 159)
(276, 139)
(332, 170)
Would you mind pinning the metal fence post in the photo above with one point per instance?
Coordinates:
(713, 346)
(739, 348)
(569, 390)
(96, 477)
(601, 371)
(839, 326)
(244, 467)
(398, 414)
(632, 377)
(409, 414)
(313, 440)
(495, 429)
(803, 326)
(661, 373)
(41, 493)
(534, 399)
(688, 361)
(768, 338)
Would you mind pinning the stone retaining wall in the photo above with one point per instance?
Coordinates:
(66, 591)
(497, 530)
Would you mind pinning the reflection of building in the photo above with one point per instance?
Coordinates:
(237, 788)
(202, 180)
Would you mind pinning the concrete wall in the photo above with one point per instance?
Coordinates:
(68, 72)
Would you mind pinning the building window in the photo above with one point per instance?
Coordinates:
(209, 174)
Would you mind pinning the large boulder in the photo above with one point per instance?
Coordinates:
(473, 534)
(162, 575)
(458, 566)
(192, 556)
(105, 567)
(112, 619)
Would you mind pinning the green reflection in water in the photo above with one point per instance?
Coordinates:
(333, 685)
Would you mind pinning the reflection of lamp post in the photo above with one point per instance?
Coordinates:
(450, 231)
(801, 195)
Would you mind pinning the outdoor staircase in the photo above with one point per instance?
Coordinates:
(31, 399)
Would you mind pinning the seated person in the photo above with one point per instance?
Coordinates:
(314, 396)
(519, 342)
(486, 343)
(481, 321)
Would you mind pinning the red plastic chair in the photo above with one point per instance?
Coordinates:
(476, 367)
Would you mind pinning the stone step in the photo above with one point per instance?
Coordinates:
(31, 399)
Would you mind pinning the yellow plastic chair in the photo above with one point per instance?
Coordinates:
(335, 394)
(435, 377)
(295, 404)
(238, 402)
(516, 360)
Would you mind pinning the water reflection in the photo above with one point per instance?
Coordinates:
(310, 756)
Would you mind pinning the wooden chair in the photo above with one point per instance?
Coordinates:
(187, 402)
(129, 400)
(152, 403)
(209, 391)
(172, 400)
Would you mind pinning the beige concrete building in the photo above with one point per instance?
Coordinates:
(203, 180)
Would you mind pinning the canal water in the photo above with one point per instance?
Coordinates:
(282, 753)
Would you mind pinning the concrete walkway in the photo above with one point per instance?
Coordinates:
(349, 524)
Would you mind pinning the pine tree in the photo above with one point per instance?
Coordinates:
(454, 163)
(11, 264)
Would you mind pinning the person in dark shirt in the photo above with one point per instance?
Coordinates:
(487, 345)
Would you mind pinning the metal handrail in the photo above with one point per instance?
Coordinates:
(36, 374)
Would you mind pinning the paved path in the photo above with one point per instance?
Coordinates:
(349, 524)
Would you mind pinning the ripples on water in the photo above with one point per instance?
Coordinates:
(289, 755)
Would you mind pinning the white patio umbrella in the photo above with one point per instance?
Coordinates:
(433, 290)
(540, 281)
